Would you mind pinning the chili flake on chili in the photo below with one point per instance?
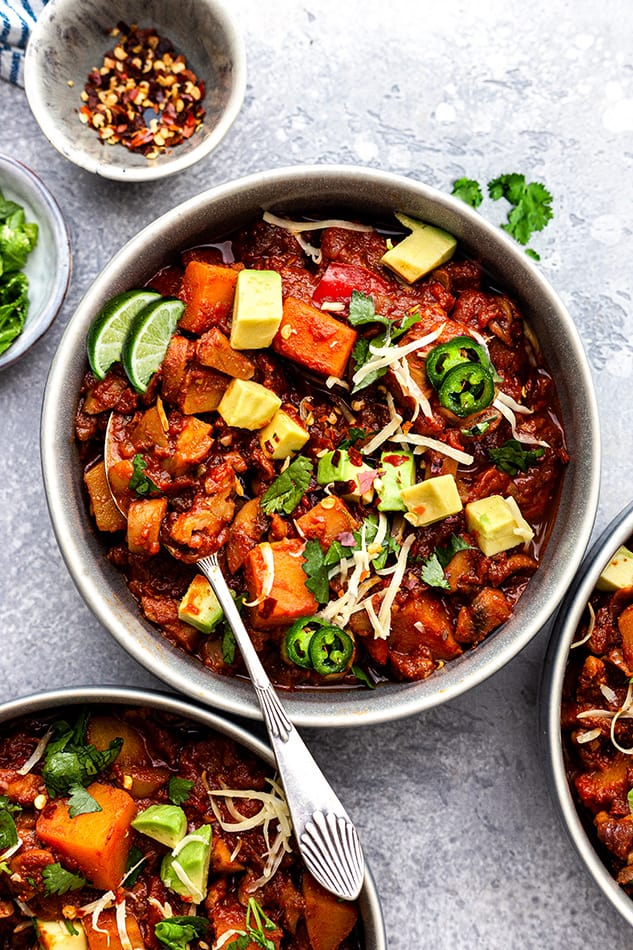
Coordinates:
(143, 96)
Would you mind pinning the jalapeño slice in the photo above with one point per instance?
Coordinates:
(297, 640)
(467, 388)
(331, 650)
(445, 356)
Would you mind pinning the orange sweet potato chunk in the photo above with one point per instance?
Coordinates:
(97, 842)
(289, 597)
(328, 920)
(326, 521)
(313, 338)
(110, 940)
(208, 291)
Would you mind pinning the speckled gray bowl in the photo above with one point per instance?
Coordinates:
(323, 190)
(70, 39)
(563, 634)
(49, 264)
(369, 902)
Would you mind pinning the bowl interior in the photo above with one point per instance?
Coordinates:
(323, 190)
(71, 38)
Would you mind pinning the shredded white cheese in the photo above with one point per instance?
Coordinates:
(387, 431)
(120, 914)
(96, 908)
(37, 753)
(293, 226)
(513, 404)
(384, 614)
(583, 737)
(183, 877)
(335, 381)
(508, 414)
(426, 442)
(384, 356)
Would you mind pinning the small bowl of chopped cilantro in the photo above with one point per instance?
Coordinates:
(35, 259)
(128, 90)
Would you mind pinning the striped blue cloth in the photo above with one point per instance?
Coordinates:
(16, 20)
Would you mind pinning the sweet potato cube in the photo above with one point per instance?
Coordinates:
(110, 940)
(144, 519)
(313, 338)
(202, 390)
(328, 920)
(208, 291)
(625, 626)
(152, 428)
(214, 349)
(289, 598)
(97, 842)
(106, 514)
(326, 521)
(174, 367)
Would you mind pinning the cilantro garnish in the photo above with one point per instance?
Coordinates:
(8, 831)
(316, 569)
(362, 676)
(257, 922)
(179, 789)
(288, 489)
(361, 353)
(141, 483)
(512, 458)
(72, 762)
(17, 239)
(354, 435)
(57, 880)
(432, 572)
(362, 310)
(81, 802)
(133, 867)
(177, 932)
(469, 191)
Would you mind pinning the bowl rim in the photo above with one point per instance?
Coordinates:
(566, 622)
(61, 237)
(33, 703)
(398, 699)
(141, 173)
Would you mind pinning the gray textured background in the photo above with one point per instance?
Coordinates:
(453, 805)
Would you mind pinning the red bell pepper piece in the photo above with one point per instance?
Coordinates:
(339, 280)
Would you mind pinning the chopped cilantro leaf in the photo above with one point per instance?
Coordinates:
(8, 831)
(469, 191)
(17, 239)
(512, 458)
(432, 573)
(57, 880)
(81, 802)
(70, 761)
(362, 354)
(354, 435)
(532, 205)
(134, 865)
(288, 489)
(229, 645)
(362, 310)
(177, 932)
(141, 483)
(362, 676)
(510, 187)
(316, 569)
(179, 789)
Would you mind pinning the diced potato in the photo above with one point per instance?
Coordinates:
(326, 521)
(282, 436)
(248, 405)
(59, 935)
(144, 519)
(289, 598)
(152, 427)
(192, 446)
(202, 390)
(106, 514)
(215, 350)
(314, 339)
(103, 729)
(328, 920)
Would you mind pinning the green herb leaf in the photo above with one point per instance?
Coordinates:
(361, 675)
(469, 191)
(141, 483)
(177, 932)
(134, 866)
(362, 310)
(361, 353)
(317, 572)
(229, 646)
(179, 789)
(532, 205)
(432, 573)
(512, 458)
(17, 239)
(70, 927)
(629, 799)
(57, 880)
(8, 831)
(354, 435)
(81, 802)
(288, 489)
(70, 761)
(511, 187)
(446, 553)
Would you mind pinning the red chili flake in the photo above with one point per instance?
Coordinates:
(143, 96)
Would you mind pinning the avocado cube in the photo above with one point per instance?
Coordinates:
(58, 935)
(164, 823)
(248, 405)
(200, 607)
(193, 855)
(618, 573)
(337, 466)
(421, 251)
(257, 309)
(396, 471)
(497, 524)
(431, 500)
(282, 436)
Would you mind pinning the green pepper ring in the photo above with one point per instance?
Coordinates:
(297, 641)
(331, 650)
(466, 389)
(446, 356)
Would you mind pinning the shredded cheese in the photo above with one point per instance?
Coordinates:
(424, 441)
(183, 877)
(335, 381)
(514, 405)
(387, 431)
(37, 753)
(583, 737)
(591, 625)
(96, 908)
(402, 373)
(293, 226)
(384, 615)
(383, 356)
(120, 914)
(509, 415)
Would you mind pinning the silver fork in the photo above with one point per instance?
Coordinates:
(327, 840)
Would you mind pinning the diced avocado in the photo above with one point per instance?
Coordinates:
(61, 935)
(164, 823)
(248, 405)
(396, 471)
(619, 571)
(431, 500)
(422, 250)
(257, 309)
(200, 607)
(337, 466)
(186, 869)
(497, 524)
(282, 436)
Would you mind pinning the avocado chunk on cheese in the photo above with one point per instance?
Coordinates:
(200, 607)
(60, 935)
(282, 436)
(248, 405)
(618, 573)
(431, 500)
(164, 823)
(257, 309)
(337, 466)
(424, 249)
(396, 471)
(497, 524)
(186, 869)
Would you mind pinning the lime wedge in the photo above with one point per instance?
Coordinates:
(109, 328)
(148, 338)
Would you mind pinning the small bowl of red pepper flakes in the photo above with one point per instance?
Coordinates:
(130, 92)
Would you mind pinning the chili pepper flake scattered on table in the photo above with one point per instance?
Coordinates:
(143, 96)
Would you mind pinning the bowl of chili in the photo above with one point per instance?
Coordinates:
(444, 603)
(170, 806)
(586, 712)
(130, 92)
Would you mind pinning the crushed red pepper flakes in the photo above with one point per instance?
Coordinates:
(143, 96)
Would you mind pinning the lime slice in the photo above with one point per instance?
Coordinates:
(148, 338)
(109, 328)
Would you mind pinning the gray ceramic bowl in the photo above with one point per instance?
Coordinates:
(563, 634)
(70, 39)
(369, 903)
(48, 265)
(324, 190)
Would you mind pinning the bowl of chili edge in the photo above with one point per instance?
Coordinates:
(323, 191)
(554, 688)
(69, 44)
(173, 710)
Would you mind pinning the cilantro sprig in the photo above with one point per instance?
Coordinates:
(8, 831)
(433, 567)
(512, 458)
(257, 923)
(288, 489)
(361, 312)
(176, 933)
(57, 880)
(141, 483)
(179, 789)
